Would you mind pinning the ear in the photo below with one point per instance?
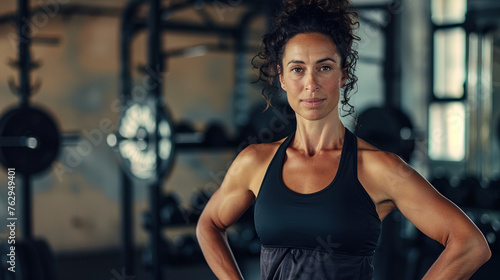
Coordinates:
(280, 74)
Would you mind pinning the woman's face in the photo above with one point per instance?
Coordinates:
(312, 75)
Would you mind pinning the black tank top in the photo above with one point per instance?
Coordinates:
(329, 234)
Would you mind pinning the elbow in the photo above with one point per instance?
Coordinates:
(200, 228)
(483, 252)
(472, 247)
(479, 250)
(205, 227)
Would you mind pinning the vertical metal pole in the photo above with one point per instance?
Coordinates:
(127, 225)
(23, 16)
(24, 29)
(127, 33)
(154, 62)
(27, 207)
(392, 66)
(240, 101)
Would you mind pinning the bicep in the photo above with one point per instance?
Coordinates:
(234, 196)
(226, 206)
(421, 204)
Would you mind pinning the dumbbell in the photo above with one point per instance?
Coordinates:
(187, 248)
(244, 239)
(216, 136)
(199, 200)
(269, 125)
(495, 224)
(442, 184)
(494, 190)
(488, 197)
(463, 193)
(167, 253)
(485, 224)
(186, 135)
(170, 212)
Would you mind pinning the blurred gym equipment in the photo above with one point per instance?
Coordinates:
(137, 142)
(266, 126)
(29, 144)
(388, 129)
(29, 140)
(171, 212)
(216, 136)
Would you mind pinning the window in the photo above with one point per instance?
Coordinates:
(449, 63)
(448, 11)
(447, 112)
(447, 131)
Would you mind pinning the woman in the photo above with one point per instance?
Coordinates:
(321, 193)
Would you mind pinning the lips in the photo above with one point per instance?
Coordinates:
(312, 102)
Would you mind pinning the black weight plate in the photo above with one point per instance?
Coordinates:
(382, 128)
(29, 122)
(273, 124)
(136, 140)
(47, 259)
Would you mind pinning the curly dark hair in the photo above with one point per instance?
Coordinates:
(328, 17)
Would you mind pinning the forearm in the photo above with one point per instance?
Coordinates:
(459, 261)
(217, 252)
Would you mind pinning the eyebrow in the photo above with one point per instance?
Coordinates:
(318, 61)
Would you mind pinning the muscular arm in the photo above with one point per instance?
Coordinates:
(227, 204)
(465, 247)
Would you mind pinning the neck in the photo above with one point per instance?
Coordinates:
(315, 136)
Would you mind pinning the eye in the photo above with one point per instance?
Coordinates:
(296, 70)
(325, 68)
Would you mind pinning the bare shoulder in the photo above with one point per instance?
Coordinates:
(251, 164)
(257, 154)
(378, 170)
(374, 158)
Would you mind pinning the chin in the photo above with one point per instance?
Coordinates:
(315, 115)
(312, 117)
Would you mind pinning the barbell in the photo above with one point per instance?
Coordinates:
(136, 140)
(29, 140)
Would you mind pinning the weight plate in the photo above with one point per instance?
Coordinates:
(265, 126)
(34, 123)
(388, 129)
(137, 140)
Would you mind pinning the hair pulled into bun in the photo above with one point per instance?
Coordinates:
(328, 17)
(329, 6)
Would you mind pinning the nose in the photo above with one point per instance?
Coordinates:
(312, 84)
